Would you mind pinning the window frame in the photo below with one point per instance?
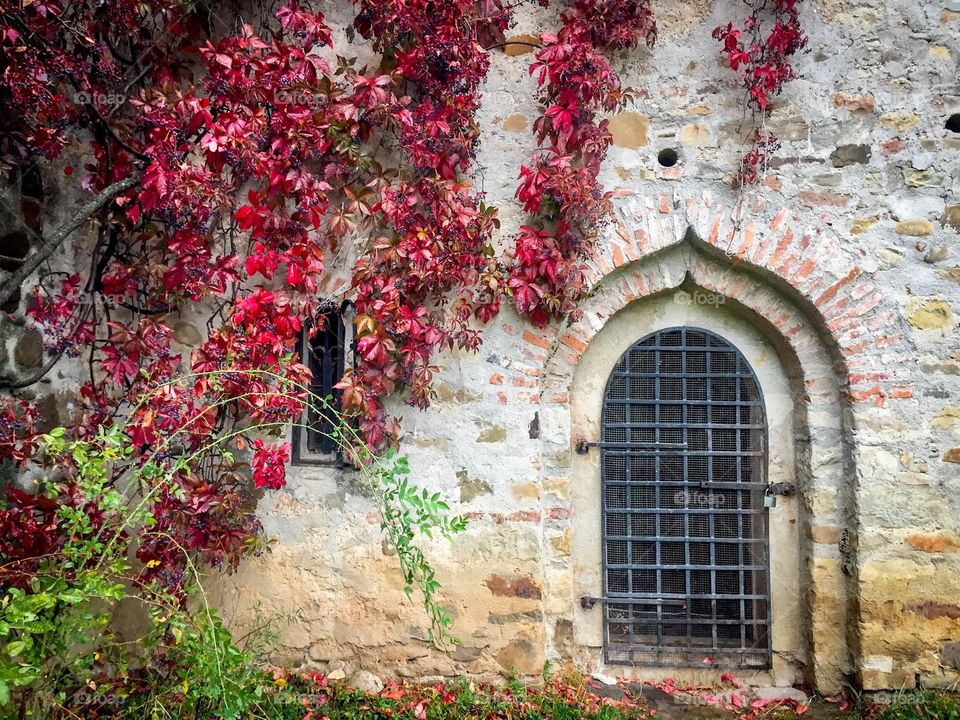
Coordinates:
(307, 449)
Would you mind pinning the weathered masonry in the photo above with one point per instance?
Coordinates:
(746, 450)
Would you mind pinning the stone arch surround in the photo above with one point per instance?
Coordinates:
(787, 459)
(832, 332)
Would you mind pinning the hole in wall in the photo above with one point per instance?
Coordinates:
(668, 157)
(953, 123)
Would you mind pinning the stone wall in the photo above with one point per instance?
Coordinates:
(845, 260)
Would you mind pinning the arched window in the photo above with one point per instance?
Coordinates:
(685, 538)
(327, 349)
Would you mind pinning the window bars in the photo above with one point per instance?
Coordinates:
(325, 353)
(685, 540)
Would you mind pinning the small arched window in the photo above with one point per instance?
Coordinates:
(685, 539)
(21, 224)
(326, 347)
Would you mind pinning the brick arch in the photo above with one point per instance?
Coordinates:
(831, 326)
(807, 266)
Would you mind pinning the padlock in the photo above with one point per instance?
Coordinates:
(769, 500)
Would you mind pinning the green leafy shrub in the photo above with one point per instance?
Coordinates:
(71, 553)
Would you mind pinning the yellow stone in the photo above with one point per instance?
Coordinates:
(922, 178)
(526, 490)
(952, 274)
(622, 172)
(939, 52)
(630, 130)
(698, 110)
(521, 45)
(446, 393)
(562, 544)
(914, 228)
(899, 120)
(861, 225)
(947, 418)
(951, 217)
(522, 655)
(431, 443)
(929, 314)
(558, 485)
(491, 433)
(949, 16)
(694, 135)
(515, 123)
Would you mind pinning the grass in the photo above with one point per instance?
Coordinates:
(922, 705)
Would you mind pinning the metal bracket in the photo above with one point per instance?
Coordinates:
(588, 603)
(582, 447)
(786, 489)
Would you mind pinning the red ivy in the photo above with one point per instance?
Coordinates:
(430, 267)
(18, 430)
(257, 160)
(256, 156)
(560, 188)
(269, 464)
(760, 53)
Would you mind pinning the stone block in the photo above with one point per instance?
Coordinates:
(861, 225)
(929, 314)
(522, 655)
(914, 228)
(28, 352)
(951, 217)
(846, 155)
(630, 130)
(520, 45)
(695, 135)
(899, 120)
(950, 654)
(519, 587)
(515, 123)
(938, 543)
(366, 681)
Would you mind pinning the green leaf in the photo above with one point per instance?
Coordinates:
(17, 647)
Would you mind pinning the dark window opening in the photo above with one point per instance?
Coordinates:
(20, 223)
(953, 123)
(685, 540)
(326, 352)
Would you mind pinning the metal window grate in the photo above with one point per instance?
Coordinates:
(685, 551)
(324, 352)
